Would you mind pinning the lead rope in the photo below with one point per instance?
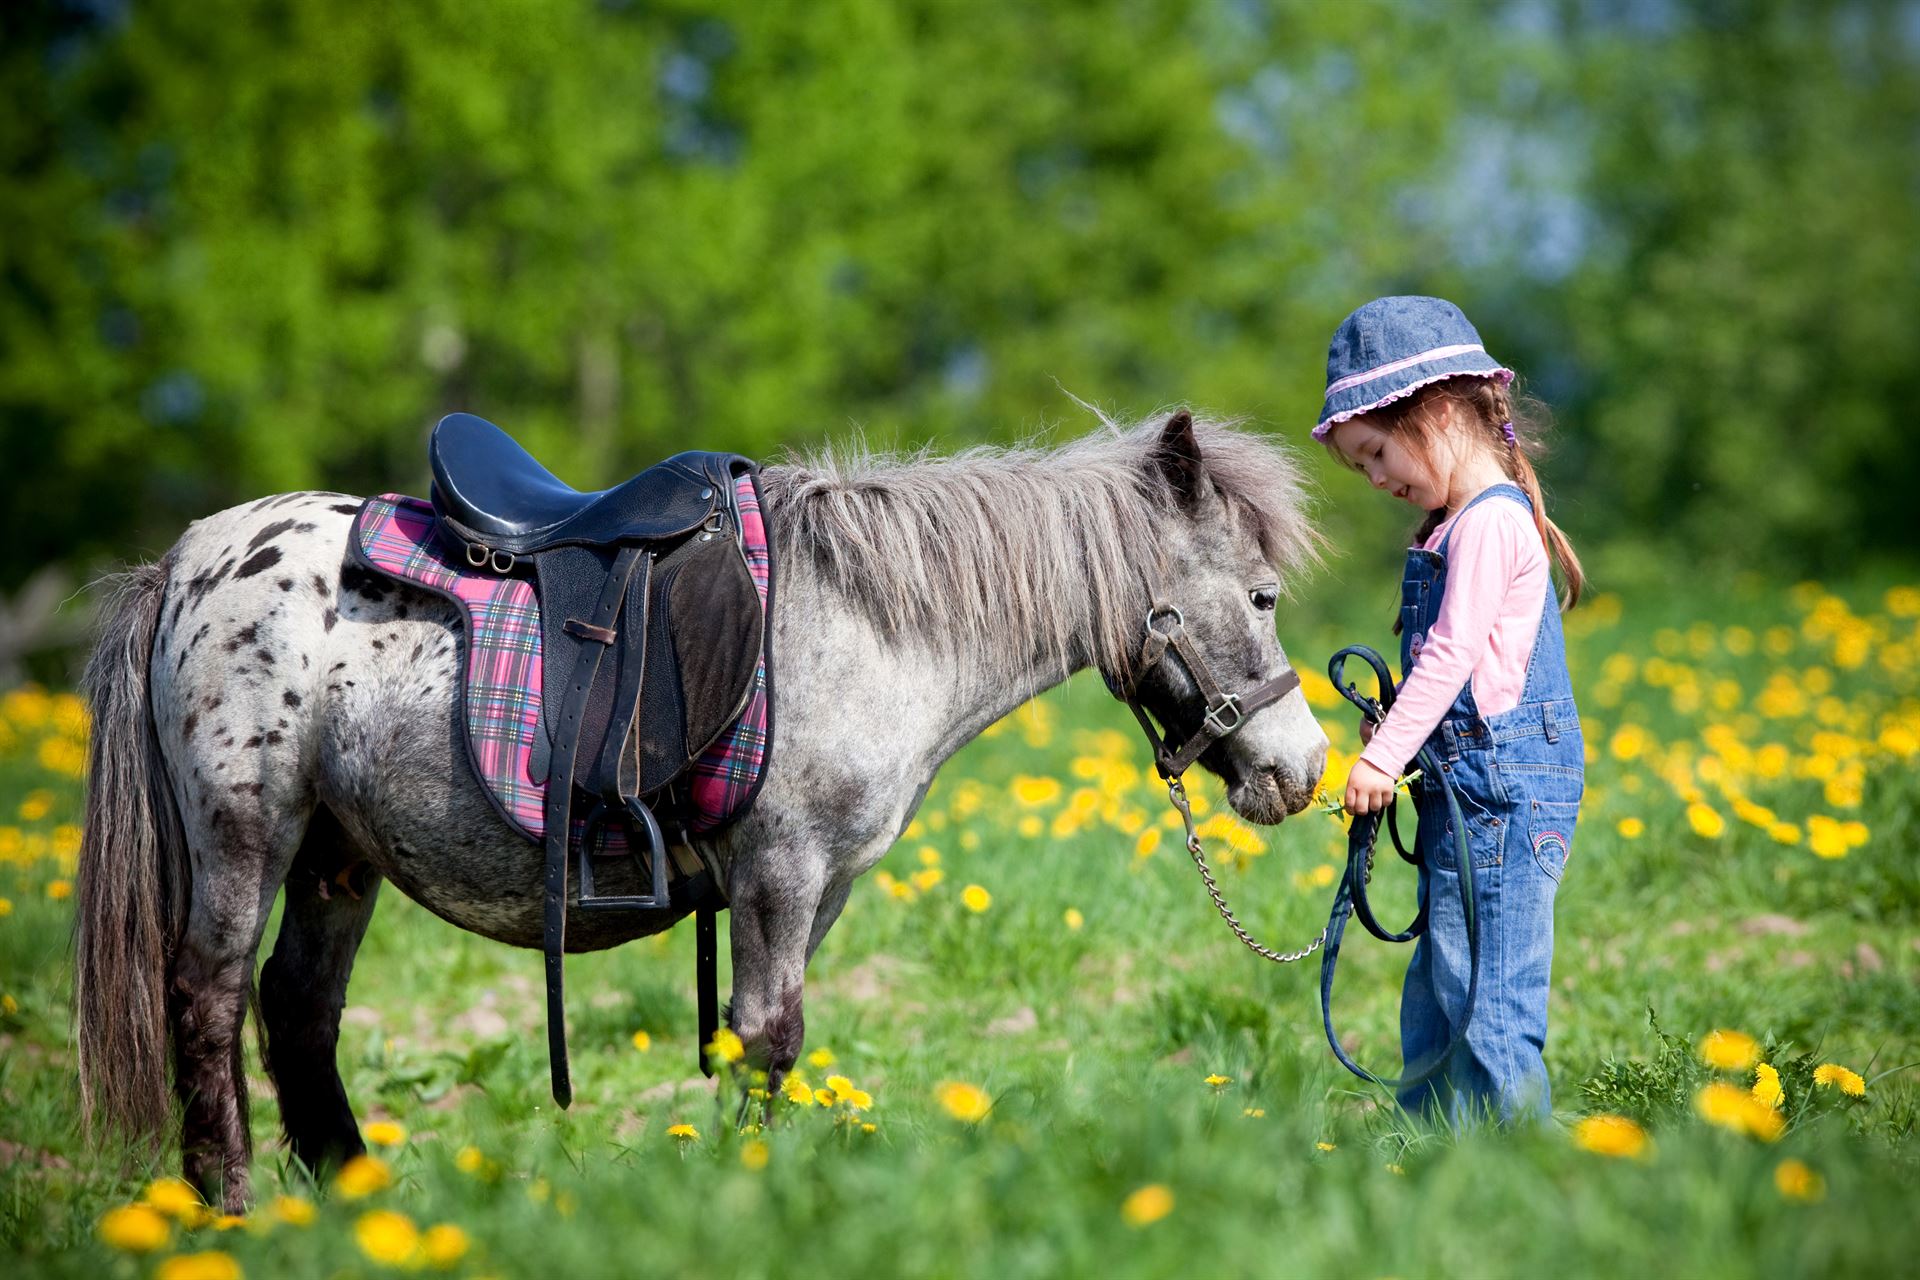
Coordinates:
(1177, 792)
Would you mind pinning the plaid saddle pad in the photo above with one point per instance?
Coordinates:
(501, 697)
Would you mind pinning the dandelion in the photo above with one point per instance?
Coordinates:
(361, 1176)
(1610, 1135)
(822, 1058)
(1326, 1146)
(1631, 828)
(795, 1089)
(37, 805)
(1834, 1076)
(1034, 792)
(6, 906)
(1826, 837)
(823, 1098)
(8, 1006)
(1796, 1181)
(683, 1133)
(444, 1244)
(1705, 820)
(1073, 919)
(135, 1228)
(927, 877)
(386, 1237)
(643, 1042)
(754, 1155)
(1731, 1107)
(1729, 1050)
(292, 1210)
(928, 856)
(962, 1101)
(975, 898)
(1148, 841)
(177, 1200)
(228, 1221)
(384, 1133)
(209, 1265)
(726, 1046)
(1766, 1086)
(1218, 1081)
(1254, 1113)
(1147, 1205)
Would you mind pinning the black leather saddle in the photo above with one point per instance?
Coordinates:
(496, 495)
(652, 629)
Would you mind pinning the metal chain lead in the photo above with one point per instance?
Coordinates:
(1177, 792)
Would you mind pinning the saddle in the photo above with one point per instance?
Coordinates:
(651, 639)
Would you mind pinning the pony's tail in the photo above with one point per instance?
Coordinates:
(133, 877)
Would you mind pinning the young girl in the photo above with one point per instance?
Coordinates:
(1415, 403)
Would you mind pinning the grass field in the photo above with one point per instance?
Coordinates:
(1745, 862)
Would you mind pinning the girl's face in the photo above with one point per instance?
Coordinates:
(1389, 465)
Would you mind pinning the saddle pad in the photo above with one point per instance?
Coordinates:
(501, 700)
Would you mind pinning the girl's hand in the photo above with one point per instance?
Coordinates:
(1368, 789)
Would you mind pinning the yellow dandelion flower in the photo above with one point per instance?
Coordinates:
(228, 1221)
(795, 1089)
(840, 1084)
(1030, 826)
(1326, 1146)
(1766, 1086)
(642, 1041)
(928, 856)
(293, 1211)
(384, 1133)
(1218, 1081)
(444, 1244)
(867, 1126)
(962, 1101)
(386, 1236)
(1148, 841)
(1631, 828)
(1033, 792)
(927, 877)
(823, 1098)
(822, 1058)
(1785, 832)
(754, 1154)
(173, 1197)
(1826, 837)
(683, 1133)
(726, 1046)
(1705, 820)
(362, 1176)
(1732, 1107)
(1256, 1113)
(858, 1099)
(1609, 1135)
(975, 898)
(1835, 1076)
(135, 1228)
(1796, 1181)
(1727, 1050)
(8, 1006)
(211, 1264)
(1073, 919)
(37, 805)
(6, 906)
(1147, 1205)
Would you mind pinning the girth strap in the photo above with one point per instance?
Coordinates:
(594, 635)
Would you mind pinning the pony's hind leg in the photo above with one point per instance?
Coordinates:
(303, 987)
(240, 854)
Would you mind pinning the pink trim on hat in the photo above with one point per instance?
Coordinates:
(1393, 366)
(1333, 420)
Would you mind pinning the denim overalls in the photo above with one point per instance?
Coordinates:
(1519, 776)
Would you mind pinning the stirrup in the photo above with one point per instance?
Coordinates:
(639, 818)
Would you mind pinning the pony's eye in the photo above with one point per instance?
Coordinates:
(1264, 598)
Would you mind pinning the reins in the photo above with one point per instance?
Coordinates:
(1350, 896)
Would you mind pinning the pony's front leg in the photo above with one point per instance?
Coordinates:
(775, 893)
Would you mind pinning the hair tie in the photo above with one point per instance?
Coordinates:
(1506, 429)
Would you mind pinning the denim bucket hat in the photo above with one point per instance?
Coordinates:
(1392, 347)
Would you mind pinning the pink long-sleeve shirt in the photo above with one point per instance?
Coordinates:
(1497, 583)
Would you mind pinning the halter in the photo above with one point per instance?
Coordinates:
(1225, 712)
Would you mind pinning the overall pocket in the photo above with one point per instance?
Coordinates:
(1550, 830)
(1486, 831)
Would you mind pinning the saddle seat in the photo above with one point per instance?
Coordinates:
(498, 497)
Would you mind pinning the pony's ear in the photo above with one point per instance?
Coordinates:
(1178, 457)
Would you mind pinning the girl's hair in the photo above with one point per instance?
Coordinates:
(1484, 405)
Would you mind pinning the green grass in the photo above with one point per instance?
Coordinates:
(1094, 1043)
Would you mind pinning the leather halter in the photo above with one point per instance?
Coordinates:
(1225, 712)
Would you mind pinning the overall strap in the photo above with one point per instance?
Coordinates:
(1502, 490)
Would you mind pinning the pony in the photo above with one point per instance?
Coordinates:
(270, 718)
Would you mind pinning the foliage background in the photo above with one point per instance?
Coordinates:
(258, 247)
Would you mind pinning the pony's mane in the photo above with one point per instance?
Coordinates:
(1015, 552)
